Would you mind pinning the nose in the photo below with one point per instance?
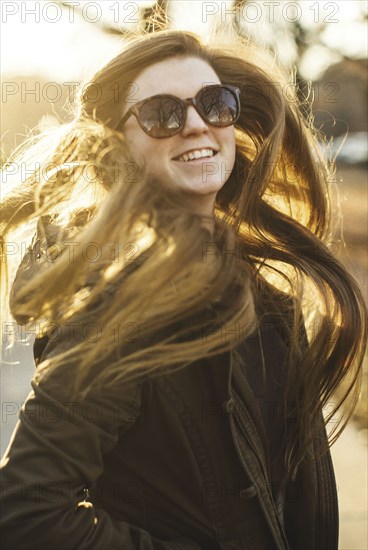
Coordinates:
(194, 123)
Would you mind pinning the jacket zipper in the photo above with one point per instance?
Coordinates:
(282, 544)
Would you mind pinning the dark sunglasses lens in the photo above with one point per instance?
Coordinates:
(161, 117)
(218, 105)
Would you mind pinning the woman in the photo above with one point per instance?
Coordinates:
(192, 323)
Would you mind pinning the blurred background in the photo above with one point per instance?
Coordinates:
(49, 48)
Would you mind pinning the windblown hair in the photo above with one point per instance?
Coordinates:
(115, 248)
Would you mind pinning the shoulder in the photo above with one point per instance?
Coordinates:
(43, 248)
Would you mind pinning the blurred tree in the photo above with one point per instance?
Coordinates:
(152, 18)
(341, 98)
(292, 35)
(338, 101)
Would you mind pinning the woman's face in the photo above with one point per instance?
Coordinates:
(198, 181)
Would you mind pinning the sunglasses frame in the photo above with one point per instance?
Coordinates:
(136, 109)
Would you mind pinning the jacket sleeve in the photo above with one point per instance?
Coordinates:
(57, 450)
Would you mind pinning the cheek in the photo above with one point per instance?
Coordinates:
(226, 137)
(140, 148)
(152, 160)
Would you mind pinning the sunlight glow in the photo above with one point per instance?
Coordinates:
(40, 38)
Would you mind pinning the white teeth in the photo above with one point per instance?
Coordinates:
(197, 154)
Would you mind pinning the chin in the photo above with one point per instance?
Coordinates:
(211, 188)
(196, 192)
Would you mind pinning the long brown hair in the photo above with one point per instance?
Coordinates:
(273, 211)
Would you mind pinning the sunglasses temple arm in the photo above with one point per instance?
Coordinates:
(124, 119)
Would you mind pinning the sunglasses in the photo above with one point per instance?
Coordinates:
(164, 115)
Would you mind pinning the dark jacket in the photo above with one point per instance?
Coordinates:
(179, 456)
(184, 460)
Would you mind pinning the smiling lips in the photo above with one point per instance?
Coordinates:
(196, 154)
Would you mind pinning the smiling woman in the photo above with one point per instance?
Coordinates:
(183, 161)
(187, 377)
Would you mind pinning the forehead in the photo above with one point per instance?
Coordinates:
(180, 76)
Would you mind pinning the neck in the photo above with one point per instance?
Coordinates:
(204, 207)
(208, 222)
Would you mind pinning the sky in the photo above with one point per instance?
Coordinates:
(38, 37)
